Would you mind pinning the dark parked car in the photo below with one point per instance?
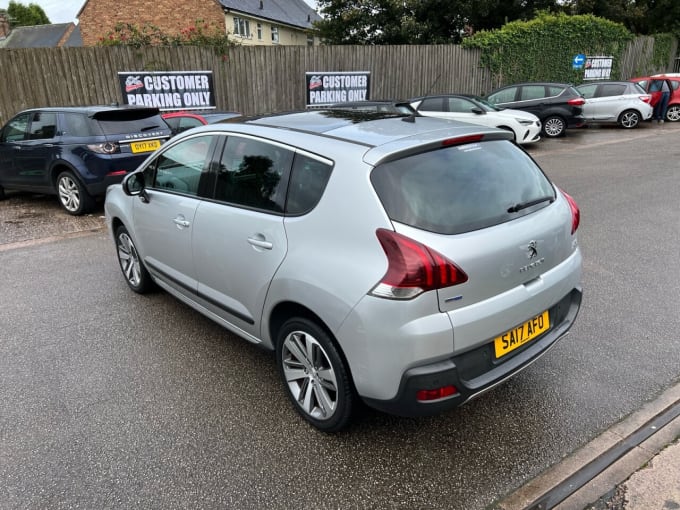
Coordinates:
(558, 105)
(383, 106)
(181, 121)
(76, 152)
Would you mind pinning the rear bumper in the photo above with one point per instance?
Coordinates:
(476, 371)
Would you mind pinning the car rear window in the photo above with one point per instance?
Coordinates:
(117, 122)
(462, 188)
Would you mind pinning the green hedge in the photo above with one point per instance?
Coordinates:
(543, 49)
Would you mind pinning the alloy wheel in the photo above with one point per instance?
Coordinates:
(673, 113)
(310, 375)
(553, 126)
(69, 193)
(629, 119)
(129, 260)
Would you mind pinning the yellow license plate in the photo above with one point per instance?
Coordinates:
(517, 337)
(145, 146)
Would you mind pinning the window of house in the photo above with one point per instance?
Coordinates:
(310, 40)
(241, 27)
(259, 31)
(275, 34)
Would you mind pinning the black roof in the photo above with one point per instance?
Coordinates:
(289, 12)
(42, 36)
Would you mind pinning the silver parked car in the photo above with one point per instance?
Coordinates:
(410, 262)
(622, 102)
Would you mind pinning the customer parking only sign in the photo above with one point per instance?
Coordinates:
(181, 90)
(324, 88)
(598, 68)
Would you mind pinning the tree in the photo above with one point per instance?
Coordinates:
(419, 21)
(26, 16)
(646, 17)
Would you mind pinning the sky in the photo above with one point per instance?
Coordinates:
(64, 11)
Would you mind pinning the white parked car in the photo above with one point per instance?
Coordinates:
(623, 102)
(466, 108)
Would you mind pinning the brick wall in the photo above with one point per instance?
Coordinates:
(99, 17)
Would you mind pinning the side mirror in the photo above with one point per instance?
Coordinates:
(477, 110)
(133, 184)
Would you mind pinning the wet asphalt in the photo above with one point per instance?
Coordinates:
(113, 400)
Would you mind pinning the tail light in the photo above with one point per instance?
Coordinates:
(646, 98)
(413, 268)
(104, 148)
(577, 101)
(575, 212)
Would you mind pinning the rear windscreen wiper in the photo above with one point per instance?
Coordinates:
(518, 207)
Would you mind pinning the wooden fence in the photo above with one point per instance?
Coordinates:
(251, 79)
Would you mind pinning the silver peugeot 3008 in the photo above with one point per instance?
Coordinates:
(407, 261)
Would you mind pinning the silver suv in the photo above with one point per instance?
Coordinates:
(407, 261)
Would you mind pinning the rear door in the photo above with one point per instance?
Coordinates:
(239, 236)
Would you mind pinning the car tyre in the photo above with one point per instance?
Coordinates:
(136, 275)
(554, 126)
(315, 375)
(673, 113)
(72, 195)
(629, 119)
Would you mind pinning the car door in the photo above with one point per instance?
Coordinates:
(239, 237)
(610, 101)
(532, 99)
(589, 92)
(33, 155)
(175, 185)
(11, 139)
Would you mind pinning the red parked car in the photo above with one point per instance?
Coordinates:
(181, 121)
(652, 84)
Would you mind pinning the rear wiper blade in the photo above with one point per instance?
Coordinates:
(518, 207)
(147, 128)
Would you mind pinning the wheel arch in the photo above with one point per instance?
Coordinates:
(58, 168)
(289, 309)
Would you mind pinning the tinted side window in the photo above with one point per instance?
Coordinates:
(612, 89)
(462, 188)
(431, 104)
(588, 91)
(307, 183)
(179, 169)
(16, 129)
(460, 105)
(503, 96)
(43, 126)
(532, 92)
(78, 124)
(253, 173)
(556, 91)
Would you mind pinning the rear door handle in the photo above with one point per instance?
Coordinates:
(181, 222)
(260, 243)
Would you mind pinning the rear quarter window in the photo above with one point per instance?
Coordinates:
(308, 181)
(460, 189)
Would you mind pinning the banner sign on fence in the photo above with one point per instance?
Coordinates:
(172, 90)
(598, 68)
(325, 88)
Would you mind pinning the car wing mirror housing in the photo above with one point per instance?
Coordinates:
(477, 110)
(133, 185)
